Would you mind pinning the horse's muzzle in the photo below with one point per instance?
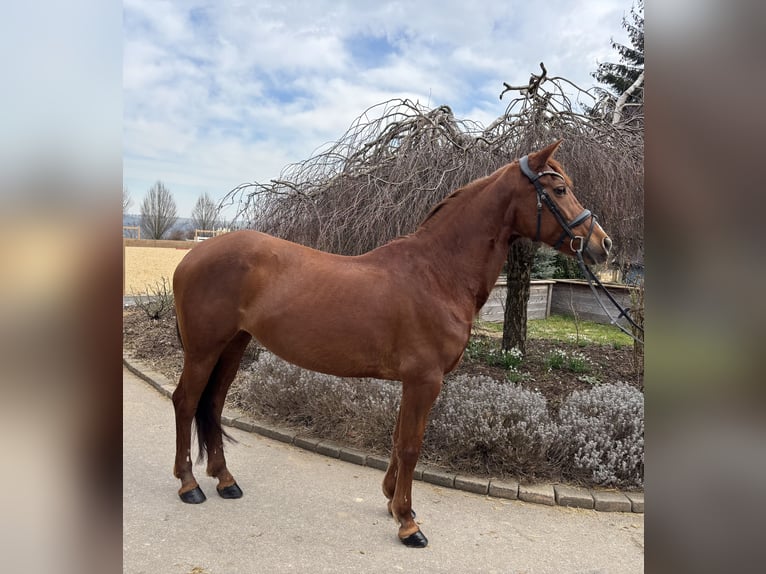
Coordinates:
(595, 253)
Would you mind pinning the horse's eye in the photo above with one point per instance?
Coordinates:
(560, 190)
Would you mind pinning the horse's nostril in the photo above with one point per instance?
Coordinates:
(607, 244)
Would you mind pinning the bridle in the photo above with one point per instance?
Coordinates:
(544, 198)
(568, 231)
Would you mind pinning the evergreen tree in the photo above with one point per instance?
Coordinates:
(619, 77)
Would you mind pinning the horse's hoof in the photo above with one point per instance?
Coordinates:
(233, 491)
(415, 540)
(194, 496)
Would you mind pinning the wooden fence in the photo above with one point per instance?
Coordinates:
(572, 297)
(538, 307)
(559, 297)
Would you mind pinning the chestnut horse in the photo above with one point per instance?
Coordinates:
(400, 312)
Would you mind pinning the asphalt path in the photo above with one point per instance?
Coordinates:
(304, 512)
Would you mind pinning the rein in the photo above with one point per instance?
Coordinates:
(567, 227)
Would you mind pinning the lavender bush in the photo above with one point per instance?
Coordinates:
(477, 425)
(601, 435)
(361, 412)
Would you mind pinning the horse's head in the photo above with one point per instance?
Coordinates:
(551, 213)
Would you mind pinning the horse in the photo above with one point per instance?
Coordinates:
(401, 312)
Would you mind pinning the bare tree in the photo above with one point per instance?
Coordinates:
(158, 211)
(205, 213)
(126, 200)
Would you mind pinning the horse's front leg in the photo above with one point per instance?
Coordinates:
(389, 480)
(417, 399)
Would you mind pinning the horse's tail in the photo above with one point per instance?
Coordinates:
(178, 333)
(206, 423)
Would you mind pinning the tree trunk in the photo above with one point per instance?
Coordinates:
(521, 255)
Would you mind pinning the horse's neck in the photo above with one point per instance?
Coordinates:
(466, 243)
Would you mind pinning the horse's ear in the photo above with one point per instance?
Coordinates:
(538, 159)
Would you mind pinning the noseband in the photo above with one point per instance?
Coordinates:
(543, 197)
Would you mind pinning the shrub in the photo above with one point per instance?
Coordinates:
(359, 411)
(479, 424)
(158, 300)
(601, 435)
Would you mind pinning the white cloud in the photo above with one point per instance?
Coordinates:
(218, 93)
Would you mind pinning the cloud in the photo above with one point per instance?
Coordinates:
(216, 94)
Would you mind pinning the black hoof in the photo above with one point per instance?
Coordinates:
(232, 491)
(195, 496)
(415, 540)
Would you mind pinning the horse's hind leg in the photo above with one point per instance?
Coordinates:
(211, 433)
(194, 379)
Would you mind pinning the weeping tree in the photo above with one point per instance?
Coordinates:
(399, 158)
(379, 181)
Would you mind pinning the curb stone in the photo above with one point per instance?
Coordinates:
(472, 484)
(306, 442)
(508, 488)
(611, 502)
(548, 494)
(573, 496)
(537, 493)
(377, 461)
(438, 477)
(328, 448)
(636, 501)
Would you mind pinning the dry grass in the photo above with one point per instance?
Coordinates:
(146, 266)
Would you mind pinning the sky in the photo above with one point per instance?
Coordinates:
(219, 93)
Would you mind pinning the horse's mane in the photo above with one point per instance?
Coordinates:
(457, 197)
(450, 199)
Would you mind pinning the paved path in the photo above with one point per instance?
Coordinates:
(303, 512)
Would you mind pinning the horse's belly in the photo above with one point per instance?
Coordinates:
(332, 346)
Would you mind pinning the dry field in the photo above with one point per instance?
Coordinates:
(146, 266)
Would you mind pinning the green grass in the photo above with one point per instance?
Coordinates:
(562, 328)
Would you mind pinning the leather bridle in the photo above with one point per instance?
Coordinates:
(566, 226)
(568, 231)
